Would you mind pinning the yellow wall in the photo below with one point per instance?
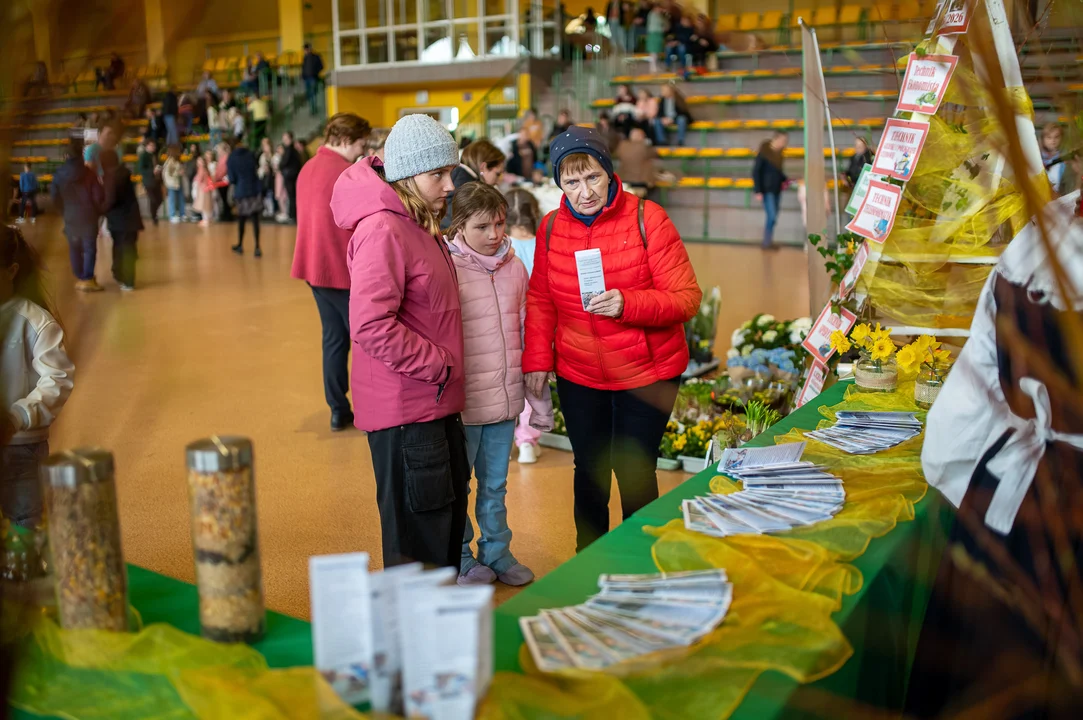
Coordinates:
(381, 107)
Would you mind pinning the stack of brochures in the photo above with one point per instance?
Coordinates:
(864, 433)
(780, 492)
(632, 615)
(403, 641)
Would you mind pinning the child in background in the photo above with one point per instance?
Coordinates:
(492, 293)
(28, 192)
(203, 191)
(35, 377)
(173, 177)
(523, 217)
(1051, 157)
(122, 216)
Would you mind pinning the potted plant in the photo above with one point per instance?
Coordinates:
(876, 369)
(931, 364)
(667, 453)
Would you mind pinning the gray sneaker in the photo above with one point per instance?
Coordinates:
(477, 575)
(517, 575)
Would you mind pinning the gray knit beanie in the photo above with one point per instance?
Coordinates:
(417, 144)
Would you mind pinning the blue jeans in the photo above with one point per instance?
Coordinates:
(678, 53)
(83, 254)
(175, 202)
(310, 93)
(171, 135)
(660, 137)
(20, 488)
(488, 448)
(216, 136)
(770, 206)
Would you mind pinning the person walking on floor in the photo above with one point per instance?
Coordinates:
(769, 181)
(619, 359)
(290, 167)
(242, 171)
(492, 294)
(320, 251)
(78, 193)
(311, 67)
(35, 377)
(170, 110)
(150, 171)
(173, 179)
(28, 193)
(406, 327)
(524, 214)
(203, 191)
(122, 215)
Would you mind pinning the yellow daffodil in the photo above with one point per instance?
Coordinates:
(882, 348)
(941, 356)
(908, 358)
(860, 333)
(880, 334)
(839, 342)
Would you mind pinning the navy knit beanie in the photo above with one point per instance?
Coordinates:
(579, 140)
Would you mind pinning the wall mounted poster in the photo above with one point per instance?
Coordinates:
(818, 340)
(876, 216)
(925, 82)
(953, 17)
(900, 146)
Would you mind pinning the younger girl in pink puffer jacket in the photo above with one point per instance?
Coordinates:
(492, 294)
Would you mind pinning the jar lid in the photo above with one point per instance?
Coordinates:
(219, 454)
(77, 467)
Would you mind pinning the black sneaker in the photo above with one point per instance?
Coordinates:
(258, 253)
(341, 420)
(239, 249)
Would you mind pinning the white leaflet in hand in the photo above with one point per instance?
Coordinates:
(342, 623)
(588, 263)
(386, 643)
(746, 457)
(447, 651)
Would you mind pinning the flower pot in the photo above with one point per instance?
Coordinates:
(668, 464)
(876, 375)
(692, 464)
(552, 440)
(928, 383)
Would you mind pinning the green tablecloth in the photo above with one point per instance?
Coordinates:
(881, 621)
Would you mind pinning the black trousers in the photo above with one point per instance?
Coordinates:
(422, 475)
(291, 191)
(614, 431)
(227, 211)
(124, 255)
(254, 219)
(334, 307)
(154, 200)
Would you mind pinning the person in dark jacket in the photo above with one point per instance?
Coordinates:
(155, 127)
(311, 67)
(862, 156)
(679, 42)
(150, 171)
(290, 167)
(480, 161)
(170, 110)
(77, 192)
(672, 112)
(122, 215)
(769, 181)
(243, 172)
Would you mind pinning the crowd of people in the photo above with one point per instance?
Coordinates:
(669, 33)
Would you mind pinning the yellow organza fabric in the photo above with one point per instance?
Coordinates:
(785, 588)
(161, 673)
(961, 203)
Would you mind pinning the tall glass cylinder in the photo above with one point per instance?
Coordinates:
(222, 498)
(84, 532)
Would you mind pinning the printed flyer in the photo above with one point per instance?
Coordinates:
(925, 83)
(818, 340)
(900, 147)
(876, 216)
(849, 280)
(814, 383)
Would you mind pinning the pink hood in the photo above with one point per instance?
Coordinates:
(405, 318)
(492, 293)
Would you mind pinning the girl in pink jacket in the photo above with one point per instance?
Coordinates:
(492, 294)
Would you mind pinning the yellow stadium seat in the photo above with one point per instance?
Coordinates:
(748, 22)
(755, 124)
(771, 20)
(850, 15)
(805, 13)
(208, 64)
(727, 23)
(825, 16)
(743, 183)
(220, 64)
(720, 183)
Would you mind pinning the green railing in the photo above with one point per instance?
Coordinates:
(496, 113)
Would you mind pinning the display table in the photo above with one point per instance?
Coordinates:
(881, 620)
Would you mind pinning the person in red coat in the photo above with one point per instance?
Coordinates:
(619, 360)
(319, 257)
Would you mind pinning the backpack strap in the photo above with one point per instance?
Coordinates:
(549, 227)
(643, 222)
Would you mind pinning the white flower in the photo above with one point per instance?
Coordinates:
(738, 338)
(770, 336)
(796, 336)
(716, 293)
(804, 324)
(732, 353)
(747, 350)
(765, 320)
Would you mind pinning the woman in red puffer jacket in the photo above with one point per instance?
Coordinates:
(619, 360)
